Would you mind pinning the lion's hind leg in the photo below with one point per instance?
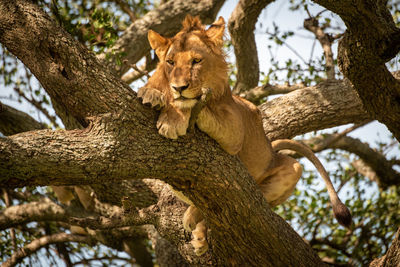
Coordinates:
(280, 181)
(194, 222)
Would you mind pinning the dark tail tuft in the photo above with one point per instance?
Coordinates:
(342, 214)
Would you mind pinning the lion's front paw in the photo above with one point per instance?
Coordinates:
(152, 96)
(172, 125)
(199, 241)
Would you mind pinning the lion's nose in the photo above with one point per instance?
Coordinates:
(180, 88)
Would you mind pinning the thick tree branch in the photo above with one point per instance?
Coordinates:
(166, 253)
(325, 105)
(370, 40)
(166, 19)
(103, 150)
(13, 121)
(60, 63)
(70, 156)
(42, 242)
(241, 27)
(46, 210)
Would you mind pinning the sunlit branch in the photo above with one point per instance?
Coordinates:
(325, 105)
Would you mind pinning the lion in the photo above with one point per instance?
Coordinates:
(192, 64)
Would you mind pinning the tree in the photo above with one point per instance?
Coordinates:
(110, 150)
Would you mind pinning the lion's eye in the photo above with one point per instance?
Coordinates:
(196, 60)
(170, 62)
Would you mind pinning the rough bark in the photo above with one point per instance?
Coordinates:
(371, 39)
(325, 105)
(63, 66)
(392, 257)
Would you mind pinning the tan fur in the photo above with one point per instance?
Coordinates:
(65, 195)
(191, 61)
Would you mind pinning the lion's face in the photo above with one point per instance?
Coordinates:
(191, 60)
(186, 67)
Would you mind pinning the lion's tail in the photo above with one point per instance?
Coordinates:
(340, 211)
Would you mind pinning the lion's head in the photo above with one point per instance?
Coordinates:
(192, 60)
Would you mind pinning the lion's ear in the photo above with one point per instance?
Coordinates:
(158, 43)
(156, 40)
(216, 31)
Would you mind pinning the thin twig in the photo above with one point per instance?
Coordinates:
(7, 201)
(289, 47)
(38, 105)
(140, 71)
(127, 9)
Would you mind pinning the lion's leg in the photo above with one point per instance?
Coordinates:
(191, 218)
(194, 222)
(223, 123)
(199, 241)
(280, 181)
